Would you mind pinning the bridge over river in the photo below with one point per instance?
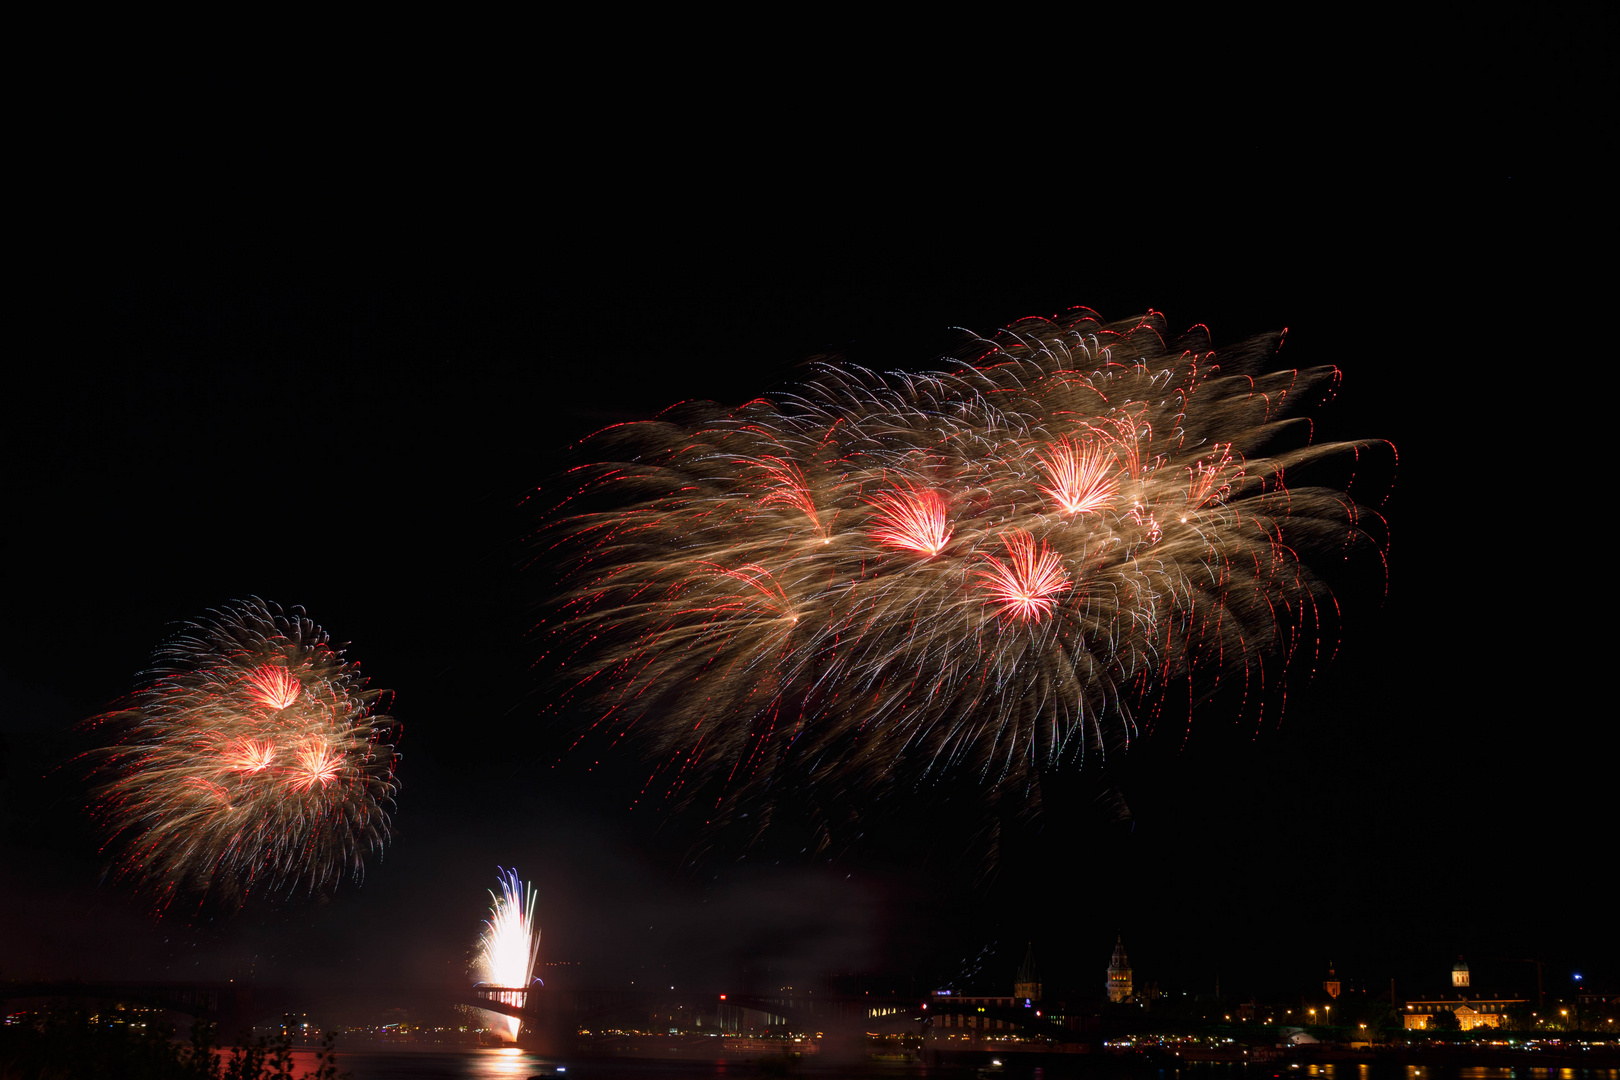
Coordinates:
(551, 1015)
(561, 1011)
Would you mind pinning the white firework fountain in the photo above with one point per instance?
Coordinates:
(508, 949)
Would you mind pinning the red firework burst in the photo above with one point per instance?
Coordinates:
(272, 687)
(250, 755)
(1083, 475)
(912, 519)
(317, 764)
(789, 488)
(1028, 584)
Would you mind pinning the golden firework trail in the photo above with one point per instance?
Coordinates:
(985, 572)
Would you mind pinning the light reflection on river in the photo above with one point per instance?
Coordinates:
(489, 1063)
(513, 1064)
(1389, 1070)
(1392, 1071)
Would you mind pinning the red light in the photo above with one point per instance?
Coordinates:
(1081, 475)
(1028, 584)
(912, 519)
(273, 687)
(722, 997)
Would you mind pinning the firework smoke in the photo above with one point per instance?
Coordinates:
(251, 759)
(988, 573)
(509, 947)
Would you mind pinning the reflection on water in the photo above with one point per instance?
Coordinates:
(490, 1063)
(1328, 1070)
(513, 1064)
(504, 1062)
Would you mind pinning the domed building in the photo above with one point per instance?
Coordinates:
(1471, 1012)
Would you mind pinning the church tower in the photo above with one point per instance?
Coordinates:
(1119, 974)
(1028, 984)
(1459, 973)
(1331, 983)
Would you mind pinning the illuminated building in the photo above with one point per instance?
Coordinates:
(1482, 1012)
(1027, 985)
(968, 1011)
(1418, 1015)
(1331, 983)
(1119, 974)
(964, 1013)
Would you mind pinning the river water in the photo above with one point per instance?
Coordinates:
(513, 1064)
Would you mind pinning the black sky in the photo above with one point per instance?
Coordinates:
(326, 373)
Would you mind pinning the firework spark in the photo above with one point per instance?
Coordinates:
(1028, 584)
(508, 948)
(274, 687)
(992, 570)
(1084, 476)
(912, 520)
(252, 759)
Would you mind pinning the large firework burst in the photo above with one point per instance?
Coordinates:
(252, 758)
(990, 571)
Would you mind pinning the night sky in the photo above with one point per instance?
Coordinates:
(318, 375)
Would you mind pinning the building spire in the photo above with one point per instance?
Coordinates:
(1331, 983)
(1028, 984)
(1119, 973)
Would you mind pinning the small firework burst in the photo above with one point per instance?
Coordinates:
(1028, 584)
(911, 520)
(1084, 475)
(252, 758)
